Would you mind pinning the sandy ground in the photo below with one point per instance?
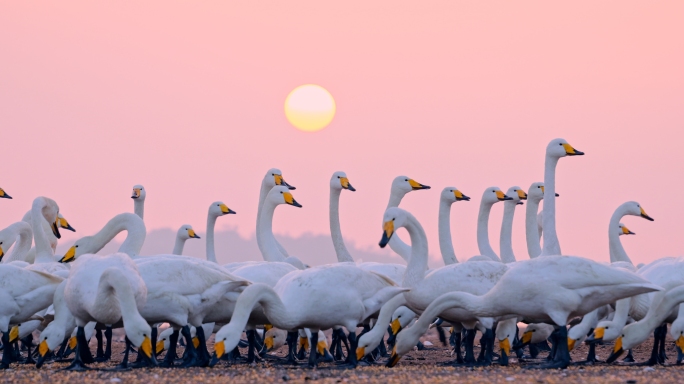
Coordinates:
(414, 367)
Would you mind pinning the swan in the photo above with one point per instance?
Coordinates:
(138, 197)
(216, 210)
(8, 236)
(535, 194)
(184, 233)
(476, 277)
(4, 194)
(448, 196)
(44, 208)
(516, 195)
(272, 178)
(401, 185)
(23, 292)
(490, 196)
(268, 245)
(62, 223)
(129, 222)
(556, 149)
(617, 251)
(556, 289)
(306, 299)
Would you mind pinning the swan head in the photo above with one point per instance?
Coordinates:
(560, 148)
(339, 181)
(138, 192)
(623, 230)
(163, 340)
(452, 195)
(505, 332)
(138, 333)
(4, 194)
(186, 232)
(402, 185)
(50, 339)
(604, 331)
(677, 332)
(275, 338)
(50, 211)
(493, 195)
(218, 208)
(274, 177)
(633, 208)
(517, 195)
(401, 318)
(393, 219)
(281, 195)
(405, 342)
(536, 192)
(63, 223)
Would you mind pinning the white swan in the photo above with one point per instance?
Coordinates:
(216, 210)
(129, 222)
(44, 208)
(517, 195)
(534, 196)
(476, 277)
(617, 251)
(23, 292)
(138, 197)
(401, 185)
(272, 178)
(556, 149)
(185, 232)
(569, 289)
(448, 196)
(490, 196)
(268, 245)
(62, 223)
(8, 236)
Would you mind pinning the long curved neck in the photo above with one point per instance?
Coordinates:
(446, 246)
(621, 312)
(44, 253)
(617, 251)
(335, 228)
(551, 244)
(418, 262)
(531, 230)
(135, 237)
(483, 232)
(506, 238)
(274, 308)
(265, 189)
(23, 245)
(114, 281)
(211, 251)
(267, 244)
(477, 305)
(396, 243)
(179, 245)
(139, 207)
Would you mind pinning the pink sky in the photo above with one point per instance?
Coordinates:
(187, 99)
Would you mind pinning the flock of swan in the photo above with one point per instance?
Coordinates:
(280, 300)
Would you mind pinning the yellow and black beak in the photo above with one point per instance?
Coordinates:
(571, 344)
(596, 336)
(460, 196)
(2, 253)
(388, 231)
(192, 234)
(501, 196)
(14, 334)
(522, 195)
(394, 359)
(136, 193)
(227, 211)
(505, 347)
(360, 353)
(280, 181)
(160, 346)
(396, 326)
(146, 347)
(219, 349)
(680, 342)
(570, 151)
(416, 185)
(43, 349)
(290, 200)
(346, 185)
(526, 338)
(69, 256)
(626, 231)
(268, 343)
(4, 194)
(645, 216)
(63, 223)
(617, 351)
(55, 230)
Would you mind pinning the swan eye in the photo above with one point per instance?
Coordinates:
(281, 192)
(0, 242)
(75, 246)
(338, 177)
(405, 179)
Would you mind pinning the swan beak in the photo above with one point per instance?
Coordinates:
(416, 185)
(226, 211)
(280, 181)
(394, 359)
(570, 151)
(617, 351)
(160, 346)
(626, 231)
(597, 336)
(43, 348)
(346, 185)
(519, 203)
(396, 326)
(14, 333)
(55, 230)
(360, 353)
(460, 196)
(63, 223)
(136, 193)
(2, 253)
(290, 200)
(645, 216)
(269, 343)
(505, 346)
(680, 342)
(557, 195)
(72, 342)
(522, 195)
(571, 344)
(192, 234)
(219, 349)
(267, 327)
(388, 228)
(195, 341)
(4, 195)
(321, 347)
(526, 338)
(146, 347)
(70, 255)
(501, 196)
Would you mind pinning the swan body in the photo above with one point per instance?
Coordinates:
(24, 292)
(185, 232)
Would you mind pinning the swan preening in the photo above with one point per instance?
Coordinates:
(281, 300)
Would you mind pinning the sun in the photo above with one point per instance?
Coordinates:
(310, 107)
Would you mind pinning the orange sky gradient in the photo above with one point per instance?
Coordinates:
(187, 98)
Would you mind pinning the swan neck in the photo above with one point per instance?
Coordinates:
(267, 243)
(506, 237)
(114, 281)
(551, 243)
(136, 233)
(273, 306)
(483, 232)
(446, 246)
(531, 230)
(23, 245)
(178, 246)
(211, 251)
(617, 251)
(139, 207)
(262, 198)
(335, 227)
(44, 253)
(418, 262)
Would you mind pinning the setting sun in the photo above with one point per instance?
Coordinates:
(309, 107)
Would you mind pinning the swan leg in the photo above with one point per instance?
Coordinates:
(591, 356)
(62, 348)
(99, 355)
(442, 336)
(662, 356)
(561, 358)
(629, 358)
(202, 351)
(456, 336)
(470, 347)
(292, 347)
(252, 356)
(680, 355)
(6, 356)
(313, 358)
(193, 359)
(171, 353)
(351, 361)
(82, 352)
(28, 342)
(123, 366)
(653, 360)
(382, 350)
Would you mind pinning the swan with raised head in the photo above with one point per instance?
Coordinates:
(448, 196)
(216, 210)
(272, 178)
(138, 197)
(617, 251)
(490, 196)
(401, 185)
(185, 232)
(516, 195)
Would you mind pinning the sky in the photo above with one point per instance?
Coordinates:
(187, 99)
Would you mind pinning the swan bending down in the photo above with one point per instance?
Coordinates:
(185, 232)
(308, 299)
(475, 277)
(556, 288)
(517, 195)
(23, 292)
(556, 149)
(129, 222)
(401, 185)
